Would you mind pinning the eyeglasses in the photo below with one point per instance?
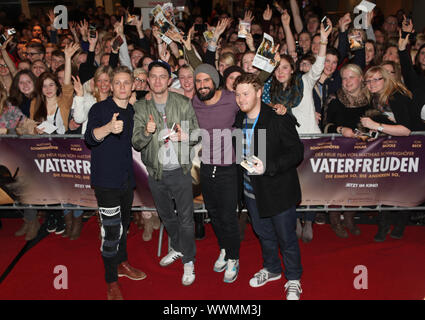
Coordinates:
(140, 80)
(305, 64)
(373, 80)
(3, 65)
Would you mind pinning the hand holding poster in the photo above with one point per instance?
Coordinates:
(163, 24)
(243, 29)
(264, 59)
(209, 34)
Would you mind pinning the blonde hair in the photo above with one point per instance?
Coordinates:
(357, 70)
(391, 85)
(138, 71)
(101, 70)
(228, 58)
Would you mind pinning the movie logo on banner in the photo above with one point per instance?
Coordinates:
(52, 171)
(341, 171)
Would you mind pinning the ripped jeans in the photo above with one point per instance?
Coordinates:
(114, 212)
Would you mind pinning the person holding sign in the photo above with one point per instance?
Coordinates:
(270, 183)
(109, 132)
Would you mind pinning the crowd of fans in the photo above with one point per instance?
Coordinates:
(57, 75)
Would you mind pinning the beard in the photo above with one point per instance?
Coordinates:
(206, 96)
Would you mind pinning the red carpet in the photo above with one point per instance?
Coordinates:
(395, 268)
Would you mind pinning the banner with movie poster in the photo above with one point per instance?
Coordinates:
(335, 171)
(342, 171)
(55, 171)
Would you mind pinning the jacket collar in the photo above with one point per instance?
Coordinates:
(263, 119)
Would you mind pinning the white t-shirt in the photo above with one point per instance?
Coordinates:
(56, 120)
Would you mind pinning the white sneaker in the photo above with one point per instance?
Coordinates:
(220, 264)
(293, 290)
(188, 274)
(232, 270)
(170, 258)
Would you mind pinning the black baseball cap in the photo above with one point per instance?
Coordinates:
(160, 63)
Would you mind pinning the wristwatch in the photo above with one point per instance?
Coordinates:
(380, 128)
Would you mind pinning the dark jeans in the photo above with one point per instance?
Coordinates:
(309, 216)
(114, 212)
(180, 227)
(274, 232)
(219, 190)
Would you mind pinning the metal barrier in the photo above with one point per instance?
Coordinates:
(201, 207)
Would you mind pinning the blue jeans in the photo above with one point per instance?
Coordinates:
(274, 232)
(76, 213)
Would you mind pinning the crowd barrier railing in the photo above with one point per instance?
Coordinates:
(200, 207)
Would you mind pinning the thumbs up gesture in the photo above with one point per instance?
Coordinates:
(116, 126)
(151, 125)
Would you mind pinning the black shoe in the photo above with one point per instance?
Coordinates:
(382, 233)
(60, 223)
(397, 232)
(51, 222)
(401, 219)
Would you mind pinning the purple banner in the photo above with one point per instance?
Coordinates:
(56, 170)
(342, 171)
(339, 171)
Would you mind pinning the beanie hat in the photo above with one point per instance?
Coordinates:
(211, 71)
(230, 70)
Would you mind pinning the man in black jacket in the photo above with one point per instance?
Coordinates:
(272, 150)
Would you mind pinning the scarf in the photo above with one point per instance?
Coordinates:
(290, 96)
(350, 101)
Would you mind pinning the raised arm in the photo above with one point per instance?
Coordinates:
(290, 40)
(123, 52)
(297, 17)
(343, 44)
(10, 65)
(192, 58)
(409, 74)
(267, 16)
(70, 49)
(316, 70)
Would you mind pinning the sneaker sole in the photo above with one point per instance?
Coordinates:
(232, 279)
(187, 283)
(60, 232)
(136, 279)
(268, 280)
(220, 269)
